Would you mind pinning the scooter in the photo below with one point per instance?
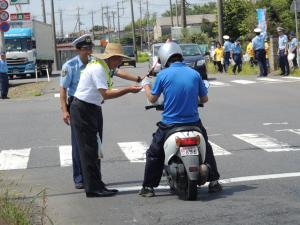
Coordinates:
(185, 152)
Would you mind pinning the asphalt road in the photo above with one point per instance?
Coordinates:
(253, 123)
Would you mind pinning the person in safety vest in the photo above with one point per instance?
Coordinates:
(95, 85)
(181, 87)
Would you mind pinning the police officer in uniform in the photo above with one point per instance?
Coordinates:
(258, 44)
(283, 52)
(181, 95)
(94, 87)
(4, 84)
(70, 76)
(236, 55)
(227, 50)
(293, 47)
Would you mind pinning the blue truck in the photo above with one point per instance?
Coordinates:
(29, 47)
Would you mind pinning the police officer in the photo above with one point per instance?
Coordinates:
(236, 55)
(70, 76)
(95, 86)
(293, 47)
(227, 50)
(4, 84)
(181, 94)
(283, 52)
(258, 44)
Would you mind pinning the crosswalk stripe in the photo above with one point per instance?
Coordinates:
(218, 150)
(295, 131)
(14, 159)
(243, 81)
(265, 142)
(134, 151)
(218, 84)
(291, 78)
(65, 153)
(269, 79)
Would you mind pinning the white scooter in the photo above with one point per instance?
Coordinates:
(185, 151)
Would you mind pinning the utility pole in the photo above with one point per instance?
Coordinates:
(133, 31)
(183, 15)
(44, 11)
(177, 19)
(220, 21)
(141, 31)
(54, 35)
(148, 31)
(118, 12)
(102, 18)
(61, 24)
(78, 19)
(93, 31)
(108, 23)
(113, 17)
(171, 11)
(297, 31)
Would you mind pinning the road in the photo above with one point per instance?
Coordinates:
(254, 127)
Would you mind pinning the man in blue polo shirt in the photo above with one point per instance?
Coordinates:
(181, 87)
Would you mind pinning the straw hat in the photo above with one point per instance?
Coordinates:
(112, 49)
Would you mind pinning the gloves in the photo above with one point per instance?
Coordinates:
(146, 81)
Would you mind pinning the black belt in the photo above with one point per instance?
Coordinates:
(86, 103)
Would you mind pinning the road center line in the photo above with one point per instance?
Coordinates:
(224, 181)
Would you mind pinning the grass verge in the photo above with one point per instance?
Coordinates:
(26, 89)
(16, 209)
(143, 57)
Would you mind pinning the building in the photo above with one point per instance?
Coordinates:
(163, 24)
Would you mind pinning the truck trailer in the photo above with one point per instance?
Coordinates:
(29, 47)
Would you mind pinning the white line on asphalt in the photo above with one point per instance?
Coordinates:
(214, 135)
(295, 131)
(224, 181)
(134, 151)
(283, 123)
(14, 159)
(218, 84)
(265, 142)
(218, 150)
(65, 153)
(243, 81)
(292, 78)
(57, 95)
(269, 79)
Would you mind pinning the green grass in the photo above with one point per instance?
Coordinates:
(246, 69)
(295, 73)
(143, 57)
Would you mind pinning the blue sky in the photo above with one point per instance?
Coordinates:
(69, 8)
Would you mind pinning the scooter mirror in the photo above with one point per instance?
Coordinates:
(206, 83)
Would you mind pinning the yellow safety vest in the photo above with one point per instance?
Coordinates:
(105, 67)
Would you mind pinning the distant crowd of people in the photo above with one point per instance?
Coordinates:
(257, 53)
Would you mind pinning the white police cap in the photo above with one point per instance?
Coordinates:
(257, 30)
(83, 41)
(279, 29)
(226, 37)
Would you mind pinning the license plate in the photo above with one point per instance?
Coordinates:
(186, 151)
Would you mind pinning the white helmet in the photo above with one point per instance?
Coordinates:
(167, 50)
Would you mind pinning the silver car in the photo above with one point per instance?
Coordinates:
(154, 66)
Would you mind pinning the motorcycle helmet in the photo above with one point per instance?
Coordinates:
(167, 50)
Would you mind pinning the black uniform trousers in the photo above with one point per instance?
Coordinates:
(295, 62)
(284, 63)
(260, 57)
(155, 155)
(4, 85)
(85, 119)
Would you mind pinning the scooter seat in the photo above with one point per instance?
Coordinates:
(180, 129)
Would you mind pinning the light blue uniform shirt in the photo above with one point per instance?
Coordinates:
(258, 42)
(293, 43)
(282, 42)
(236, 48)
(70, 74)
(181, 86)
(3, 66)
(227, 46)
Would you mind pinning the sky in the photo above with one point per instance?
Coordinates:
(69, 8)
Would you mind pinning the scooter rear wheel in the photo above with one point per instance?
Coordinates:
(191, 190)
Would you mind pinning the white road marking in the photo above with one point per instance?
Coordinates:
(219, 150)
(14, 159)
(134, 151)
(269, 79)
(265, 142)
(57, 95)
(283, 123)
(65, 153)
(243, 81)
(295, 131)
(218, 84)
(291, 78)
(224, 181)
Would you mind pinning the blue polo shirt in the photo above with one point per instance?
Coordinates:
(70, 74)
(181, 86)
(3, 66)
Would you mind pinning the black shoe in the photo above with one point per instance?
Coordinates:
(214, 187)
(98, 194)
(111, 190)
(147, 192)
(79, 186)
